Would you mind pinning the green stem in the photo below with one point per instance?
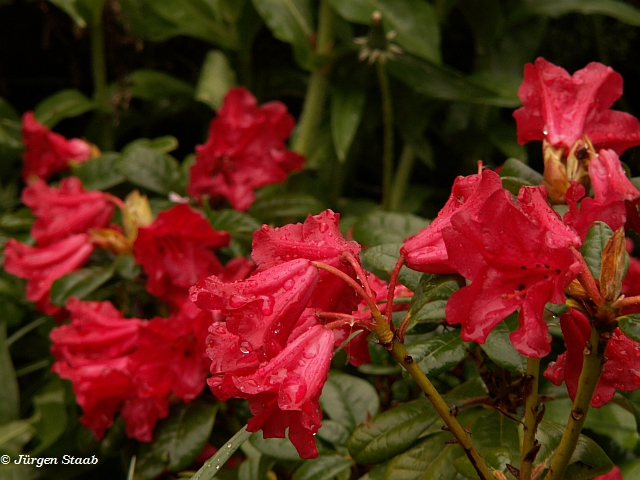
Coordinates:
(401, 180)
(100, 90)
(400, 354)
(387, 124)
(24, 330)
(591, 370)
(304, 139)
(530, 419)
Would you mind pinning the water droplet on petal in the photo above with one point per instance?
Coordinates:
(288, 285)
(245, 347)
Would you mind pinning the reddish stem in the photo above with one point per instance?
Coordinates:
(388, 309)
(362, 275)
(627, 302)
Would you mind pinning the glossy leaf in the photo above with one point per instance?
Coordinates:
(50, 415)
(430, 299)
(445, 83)
(150, 84)
(346, 112)
(280, 448)
(380, 227)
(256, 466)
(349, 400)
(495, 458)
(499, 348)
(412, 464)
(513, 167)
(391, 432)
(630, 326)
(178, 439)
(61, 105)
(211, 467)
(99, 173)
(216, 78)
(334, 432)
(147, 167)
(591, 249)
(438, 353)
(415, 24)
(10, 398)
(285, 205)
(290, 21)
(325, 467)
(80, 283)
(621, 11)
(384, 258)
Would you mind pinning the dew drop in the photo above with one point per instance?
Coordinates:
(245, 347)
(635, 376)
(288, 285)
(545, 130)
(324, 227)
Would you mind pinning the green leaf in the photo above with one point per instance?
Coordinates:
(391, 432)
(414, 21)
(384, 258)
(412, 464)
(14, 436)
(148, 168)
(61, 105)
(495, 458)
(79, 283)
(495, 430)
(439, 353)
(513, 167)
(178, 439)
(50, 416)
(233, 221)
(215, 80)
(90, 10)
(280, 448)
(69, 7)
(430, 298)
(10, 398)
(621, 11)
(290, 21)
(346, 112)
(19, 221)
(150, 84)
(334, 432)
(349, 400)
(99, 173)
(596, 239)
(630, 326)
(380, 227)
(588, 459)
(285, 205)
(213, 465)
(499, 348)
(445, 83)
(325, 467)
(256, 466)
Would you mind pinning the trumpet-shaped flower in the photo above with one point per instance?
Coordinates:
(245, 150)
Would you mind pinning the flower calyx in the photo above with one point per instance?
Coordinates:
(377, 46)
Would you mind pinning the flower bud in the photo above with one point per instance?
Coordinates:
(137, 214)
(613, 265)
(555, 172)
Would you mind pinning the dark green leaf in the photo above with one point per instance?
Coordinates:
(256, 466)
(495, 458)
(216, 78)
(596, 239)
(178, 439)
(499, 348)
(99, 173)
(17, 222)
(430, 299)
(90, 10)
(415, 24)
(280, 448)
(151, 169)
(14, 436)
(444, 83)
(50, 416)
(126, 267)
(439, 353)
(10, 398)
(61, 105)
(334, 432)
(233, 221)
(516, 168)
(285, 205)
(411, 465)
(155, 85)
(213, 465)
(346, 112)
(291, 22)
(69, 7)
(384, 258)
(325, 467)
(621, 11)
(349, 400)
(630, 326)
(79, 284)
(496, 430)
(391, 432)
(380, 227)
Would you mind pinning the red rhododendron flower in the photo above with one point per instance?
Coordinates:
(175, 252)
(317, 239)
(284, 392)
(516, 256)
(92, 351)
(621, 371)
(44, 265)
(245, 150)
(66, 210)
(614, 474)
(561, 108)
(262, 309)
(425, 251)
(48, 152)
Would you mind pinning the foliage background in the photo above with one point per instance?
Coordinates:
(452, 104)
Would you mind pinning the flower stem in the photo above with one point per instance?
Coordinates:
(387, 125)
(530, 419)
(399, 186)
(100, 90)
(393, 280)
(400, 354)
(304, 139)
(591, 370)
